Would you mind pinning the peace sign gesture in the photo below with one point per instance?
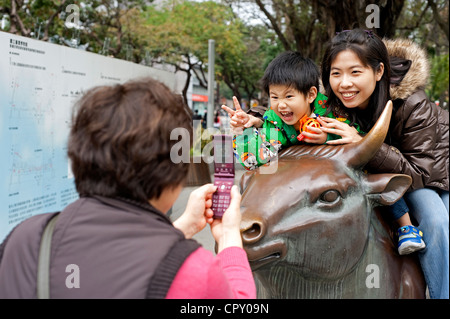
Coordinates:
(239, 120)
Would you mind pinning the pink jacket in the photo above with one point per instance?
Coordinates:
(203, 275)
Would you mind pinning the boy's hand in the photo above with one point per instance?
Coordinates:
(239, 120)
(314, 136)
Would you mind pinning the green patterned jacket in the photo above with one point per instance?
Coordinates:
(257, 146)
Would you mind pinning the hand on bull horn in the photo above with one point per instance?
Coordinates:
(239, 120)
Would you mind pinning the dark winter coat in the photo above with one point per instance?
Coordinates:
(114, 247)
(418, 142)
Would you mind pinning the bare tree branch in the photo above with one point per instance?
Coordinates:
(274, 24)
(444, 25)
(52, 17)
(16, 20)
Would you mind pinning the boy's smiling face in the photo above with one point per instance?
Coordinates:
(290, 104)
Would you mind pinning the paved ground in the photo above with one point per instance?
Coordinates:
(204, 237)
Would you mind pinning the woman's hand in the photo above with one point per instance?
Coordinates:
(239, 120)
(332, 126)
(198, 211)
(226, 231)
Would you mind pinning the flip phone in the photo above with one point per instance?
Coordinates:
(223, 173)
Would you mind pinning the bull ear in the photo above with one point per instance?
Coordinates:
(386, 189)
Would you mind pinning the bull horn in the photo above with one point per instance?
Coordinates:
(358, 154)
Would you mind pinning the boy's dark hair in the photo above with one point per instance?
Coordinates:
(120, 142)
(292, 69)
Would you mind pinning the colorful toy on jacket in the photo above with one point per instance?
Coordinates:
(304, 123)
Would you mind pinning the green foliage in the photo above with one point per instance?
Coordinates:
(179, 35)
(439, 79)
(177, 32)
(181, 32)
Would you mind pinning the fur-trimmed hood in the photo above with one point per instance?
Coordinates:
(418, 74)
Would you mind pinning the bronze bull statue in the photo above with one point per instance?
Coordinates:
(310, 229)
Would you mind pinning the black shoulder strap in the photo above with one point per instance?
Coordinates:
(167, 269)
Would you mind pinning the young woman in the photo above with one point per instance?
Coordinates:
(360, 73)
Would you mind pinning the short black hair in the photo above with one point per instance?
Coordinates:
(292, 69)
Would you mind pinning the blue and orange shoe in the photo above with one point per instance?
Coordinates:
(409, 240)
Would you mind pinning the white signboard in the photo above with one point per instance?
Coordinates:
(39, 83)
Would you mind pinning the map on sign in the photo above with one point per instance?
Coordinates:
(39, 84)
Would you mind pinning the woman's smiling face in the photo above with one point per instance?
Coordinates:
(352, 81)
(290, 104)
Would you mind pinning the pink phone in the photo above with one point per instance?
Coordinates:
(223, 173)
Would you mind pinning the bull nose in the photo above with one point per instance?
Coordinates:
(252, 231)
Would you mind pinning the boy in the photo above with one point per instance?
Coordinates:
(292, 82)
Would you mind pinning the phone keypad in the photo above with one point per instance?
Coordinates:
(221, 198)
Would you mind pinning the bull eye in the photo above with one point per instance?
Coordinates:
(330, 197)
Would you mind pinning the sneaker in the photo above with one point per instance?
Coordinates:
(409, 240)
